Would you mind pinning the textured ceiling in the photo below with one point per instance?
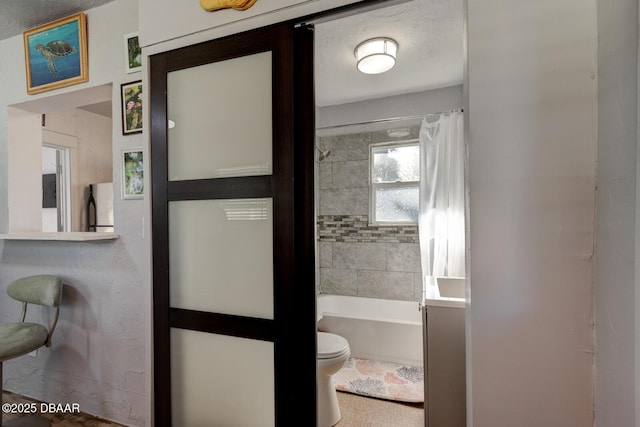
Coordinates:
(430, 55)
(17, 16)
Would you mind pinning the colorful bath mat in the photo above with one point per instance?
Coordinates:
(383, 380)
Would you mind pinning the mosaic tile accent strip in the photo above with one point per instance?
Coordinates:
(356, 228)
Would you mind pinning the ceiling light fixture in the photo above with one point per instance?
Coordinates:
(398, 133)
(377, 55)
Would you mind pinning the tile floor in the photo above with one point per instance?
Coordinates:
(359, 411)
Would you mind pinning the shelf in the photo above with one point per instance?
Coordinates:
(63, 237)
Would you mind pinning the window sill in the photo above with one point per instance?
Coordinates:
(445, 302)
(65, 237)
(393, 224)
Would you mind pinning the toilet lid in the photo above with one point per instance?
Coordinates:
(331, 345)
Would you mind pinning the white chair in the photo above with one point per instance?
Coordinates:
(17, 339)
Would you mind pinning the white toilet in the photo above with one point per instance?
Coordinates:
(333, 352)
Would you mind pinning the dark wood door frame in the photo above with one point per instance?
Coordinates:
(292, 329)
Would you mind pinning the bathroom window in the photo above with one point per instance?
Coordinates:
(394, 183)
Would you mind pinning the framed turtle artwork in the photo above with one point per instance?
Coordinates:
(56, 54)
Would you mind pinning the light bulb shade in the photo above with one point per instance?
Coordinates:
(377, 55)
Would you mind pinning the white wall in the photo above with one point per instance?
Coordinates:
(616, 262)
(95, 162)
(414, 104)
(23, 177)
(163, 26)
(532, 152)
(166, 21)
(100, 354)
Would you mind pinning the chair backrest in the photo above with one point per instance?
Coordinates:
(43, 289)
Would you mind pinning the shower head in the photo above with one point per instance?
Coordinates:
(323, 154)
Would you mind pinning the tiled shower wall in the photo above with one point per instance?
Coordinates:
(356, 258)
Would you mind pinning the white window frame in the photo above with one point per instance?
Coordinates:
(373, 220)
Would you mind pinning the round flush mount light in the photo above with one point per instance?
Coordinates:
(376, 55)
(398, 133)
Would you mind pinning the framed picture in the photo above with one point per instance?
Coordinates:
(131, 107)
(133, 53)
(132, 174)
(56, 54)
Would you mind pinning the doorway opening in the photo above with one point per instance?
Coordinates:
(368, 253)
(72, 136)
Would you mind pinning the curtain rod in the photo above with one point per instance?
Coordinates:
(391, 119)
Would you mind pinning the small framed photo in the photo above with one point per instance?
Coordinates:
(132, 174)
(133, 53)
(131, 94)
(56, 54)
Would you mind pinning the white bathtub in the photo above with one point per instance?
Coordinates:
(377, 329)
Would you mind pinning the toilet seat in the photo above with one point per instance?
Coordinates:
(331, 346)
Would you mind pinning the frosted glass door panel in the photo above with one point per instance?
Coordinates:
(221, 256)
(218, 380)
(220, 119)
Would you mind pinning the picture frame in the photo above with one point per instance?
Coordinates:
(132, 53)
(56, 54)
(131, 98)
(133, 174)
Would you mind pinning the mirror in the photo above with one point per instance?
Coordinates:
(72, 134)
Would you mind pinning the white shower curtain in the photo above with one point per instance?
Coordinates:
(441, 224)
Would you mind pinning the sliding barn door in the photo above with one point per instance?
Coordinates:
(232, 176)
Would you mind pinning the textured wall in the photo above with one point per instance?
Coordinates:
(98, 356)
(100, 353)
